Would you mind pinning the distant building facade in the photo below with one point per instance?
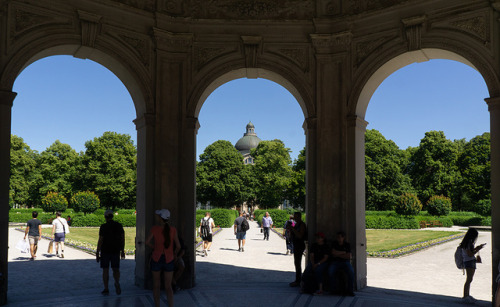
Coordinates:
(249, 141)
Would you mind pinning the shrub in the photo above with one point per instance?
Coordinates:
(11, 199)
(391, 222)
(428, 219)
(222, 217)
(86, 202)
(53, 202)
(90, 220)
(408, 205)
(464, 220)
(483, 207)
(439, 205)
(127, 220)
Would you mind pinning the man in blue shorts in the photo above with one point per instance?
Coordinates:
(111, 243)
(240, 234)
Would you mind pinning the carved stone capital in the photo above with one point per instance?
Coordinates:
(493, 103)
(173, 42)
(413, 30)
(192, 123)
(331, 43)
(356, 121)
(310, 123)
(146, 120)
(90, 24)
(7, 98)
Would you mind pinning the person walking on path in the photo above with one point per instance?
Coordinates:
(469, 257)
(267, 222)
(341, 260)
(287, 233)
(299, 236)
(109, 247)
(165, 250)
(240, 230)
(206, 231)
(60, 228)
(34, 233)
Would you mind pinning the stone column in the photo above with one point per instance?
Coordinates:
(494, 108)
(6, 100)
(176, 140)
(187, 198)
(145, 126)
(311, 164)
(356, 128)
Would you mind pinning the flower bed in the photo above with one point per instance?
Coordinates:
(412, 248)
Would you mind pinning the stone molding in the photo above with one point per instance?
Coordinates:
(331, 43)
(146, 120)
(90, 24)
(7, 98)
(356, 121)
(310, 123)
(251, 47)
(493, 103)
(413, 30)
(173, 42)
(192, 123)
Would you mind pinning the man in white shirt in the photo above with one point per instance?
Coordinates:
(60, 228)
(206, 232)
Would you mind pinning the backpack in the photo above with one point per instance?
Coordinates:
(205, 227)
(244, 225)
(459, 259)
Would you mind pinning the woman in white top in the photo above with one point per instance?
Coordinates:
(468, 254)
(60, 228)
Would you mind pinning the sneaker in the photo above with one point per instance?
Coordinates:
(206, 253)
(242, 249)
(105, 292)
(469, 300)
(294, 284)
(118, 288)
(287, 252)
(62, 255)
(239, 249)
(319, 292)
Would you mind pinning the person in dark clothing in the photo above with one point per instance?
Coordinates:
(299, 236)
(319, 252)
(287, 233)
(109, 247)
(34, 233)
(341, 260)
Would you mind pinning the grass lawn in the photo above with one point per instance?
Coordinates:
(90, 235)
(388, 239)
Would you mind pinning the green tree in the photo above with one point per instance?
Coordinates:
(433, 167)
(86, 202)
(54, 202)
(219, 175)
(474, 165)
(57, 166)
(384, 177)
(109, 168)
(272, 171)
(23, 172)
(296, 191)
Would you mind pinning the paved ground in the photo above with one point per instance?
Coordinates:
(258, 276)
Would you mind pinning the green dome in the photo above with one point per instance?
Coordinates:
(249, 140)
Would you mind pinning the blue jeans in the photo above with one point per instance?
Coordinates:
(266, 233)
(341, 265)
(318, 272)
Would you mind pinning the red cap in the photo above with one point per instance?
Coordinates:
(320, 234)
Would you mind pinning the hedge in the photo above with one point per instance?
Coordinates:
(279, 216)
(391, 222)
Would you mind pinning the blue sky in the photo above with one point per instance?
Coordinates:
(72, 100)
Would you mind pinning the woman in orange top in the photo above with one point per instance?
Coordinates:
(163, 257)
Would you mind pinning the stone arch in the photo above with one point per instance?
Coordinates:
(214, 83)
(382, 65)
(139, 91)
